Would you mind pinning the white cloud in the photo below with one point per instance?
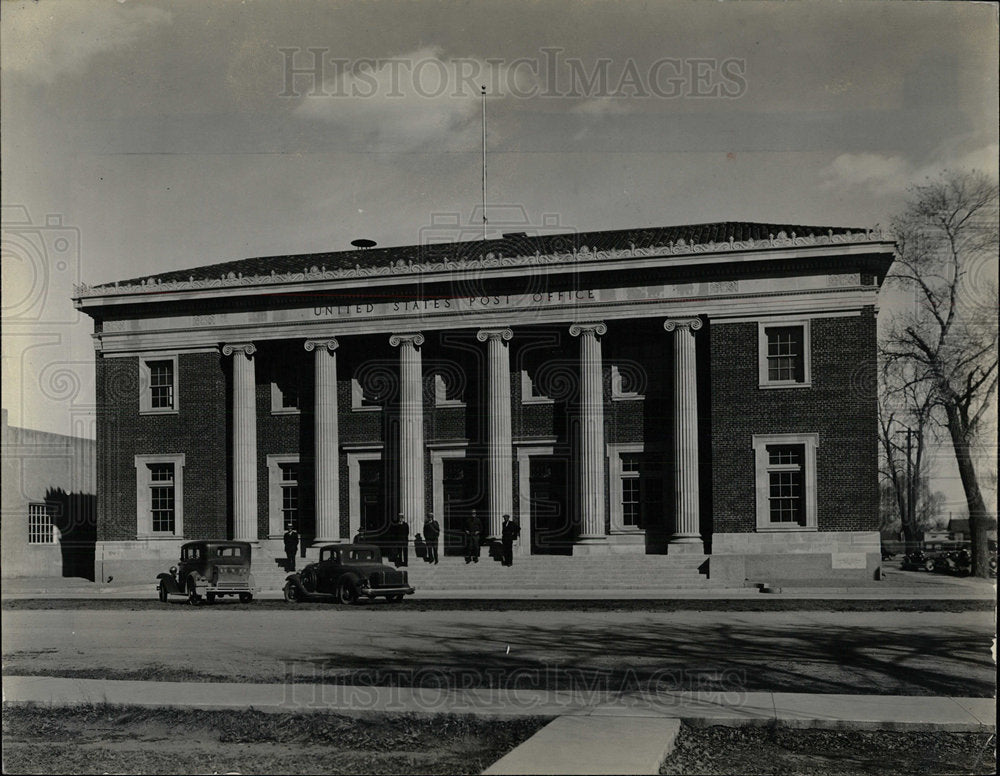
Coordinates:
(885, 175)
(44, 40)
(411, 101)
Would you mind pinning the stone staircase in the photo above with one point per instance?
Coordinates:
(535, 572)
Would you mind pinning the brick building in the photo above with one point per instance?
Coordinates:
(696, 390)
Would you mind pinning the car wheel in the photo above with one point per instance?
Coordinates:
(308, 580)
(346, 594)
(292, 594)
(210, 598)
(246, 598)
(193, 598)
(163, 593)
(929, 565)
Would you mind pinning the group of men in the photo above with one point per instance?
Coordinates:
(398, 540)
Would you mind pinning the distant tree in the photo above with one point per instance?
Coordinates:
(945, 345)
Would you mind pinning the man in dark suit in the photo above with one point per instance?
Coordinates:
(401, 539)
(473, 532)
(508, 533)
(291, 539)
(432, 530)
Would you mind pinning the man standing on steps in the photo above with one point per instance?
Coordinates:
(508, 533)
(291, 546)
(473, 532)
(401, 539)
(432, 530)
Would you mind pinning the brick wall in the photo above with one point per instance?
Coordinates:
(841, 406)
(199, 430)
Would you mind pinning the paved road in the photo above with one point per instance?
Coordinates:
(891, 653)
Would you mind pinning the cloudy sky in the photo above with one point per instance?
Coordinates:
(144, 136)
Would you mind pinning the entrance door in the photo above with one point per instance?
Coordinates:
(374, 520)
(551, 527)
(460, 498)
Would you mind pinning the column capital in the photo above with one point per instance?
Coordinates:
(503, 333)
(247, 348)
(597, 327)
(414, 337)
(330, 343)
(683, 323)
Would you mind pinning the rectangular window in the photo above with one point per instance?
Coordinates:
(161, 498)
(627, 381)
(40, 528)
(786, 481)
(158, 385)
(159, 495)
(364, 395)
(631, 490)
(784, 354)
(448, 390)
(161, 385)
(289, 495)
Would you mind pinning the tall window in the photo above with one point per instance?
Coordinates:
(40, 528)
(289, 495)
(365, 393)
(631, 490)
(786, 486)
(786, 481)
(784, 354)
(636, 487)
(159, 495)
(162, 497)
(158, 385)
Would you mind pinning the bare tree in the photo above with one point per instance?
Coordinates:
(945, 346)
(906, 431)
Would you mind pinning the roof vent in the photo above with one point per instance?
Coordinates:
(514, 235)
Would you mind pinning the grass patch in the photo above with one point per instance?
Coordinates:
(782, 751)
(124, 739)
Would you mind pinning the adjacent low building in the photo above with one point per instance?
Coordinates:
(706, 389)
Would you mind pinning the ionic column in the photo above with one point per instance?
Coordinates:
(500, 466)
(244, 441)
(591, 448)
(687, 537)
(411, 428)
(326, 440)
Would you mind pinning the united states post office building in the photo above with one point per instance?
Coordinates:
(706, 389)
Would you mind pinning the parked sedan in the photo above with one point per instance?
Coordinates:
(348, 572)
(207, 570)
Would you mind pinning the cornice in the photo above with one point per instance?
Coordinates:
(490, 260)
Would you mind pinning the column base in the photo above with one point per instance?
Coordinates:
(593, 545)
(687, 544)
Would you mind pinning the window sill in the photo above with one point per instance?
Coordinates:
(287, 411)
(538, 400)
(767, 386)
(449, 403)
(786, 529)
(627, 530)
(42, 545)
(366, 409)
(159, 537)
(174, 411)
(629, 397)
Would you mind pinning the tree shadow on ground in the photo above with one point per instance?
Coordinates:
(814, 658)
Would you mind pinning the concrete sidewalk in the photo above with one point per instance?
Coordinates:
(891, 712)
(923, 588)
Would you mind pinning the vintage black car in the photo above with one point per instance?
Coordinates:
(208, 570)
(348, 572)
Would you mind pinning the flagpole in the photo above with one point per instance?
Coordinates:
(483, 90)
